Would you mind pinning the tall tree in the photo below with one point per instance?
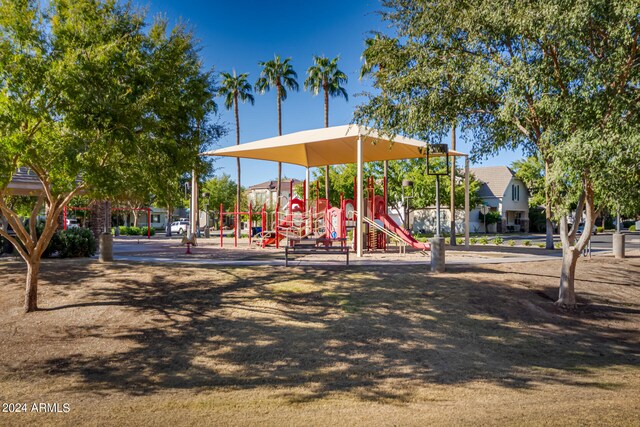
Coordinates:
(560, 78)
(279, 74)
(81, 107)
(324, 75)
(236, 88)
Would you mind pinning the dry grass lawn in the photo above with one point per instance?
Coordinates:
(134, 344)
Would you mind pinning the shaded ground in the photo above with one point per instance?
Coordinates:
(131, 344)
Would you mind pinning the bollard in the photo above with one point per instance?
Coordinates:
(106, 247)
(618, 245)
(437, 254)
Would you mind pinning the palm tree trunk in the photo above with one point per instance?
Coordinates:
(235, 110)
(279, 134)
(326, 124)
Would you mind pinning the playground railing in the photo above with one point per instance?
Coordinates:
(393, 236)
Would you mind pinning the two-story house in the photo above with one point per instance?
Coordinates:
(502, 192)
(265, 193)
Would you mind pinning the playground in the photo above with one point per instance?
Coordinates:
(148, 343)
(362, 223)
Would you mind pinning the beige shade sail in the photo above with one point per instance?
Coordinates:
(328, 146)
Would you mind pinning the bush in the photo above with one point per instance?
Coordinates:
(144, 231)
(447, 240)
(473, 240)
(557, 245)
(76, 242)
(483, 240)
(460, 241)
(526, 243)
(599, 229)
(541, 245)
(497, 240)
(632, 227)
(511, 242)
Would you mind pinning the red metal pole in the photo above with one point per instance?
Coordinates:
(221, 221)
(148, 223)
(235, 226)
(65, 218)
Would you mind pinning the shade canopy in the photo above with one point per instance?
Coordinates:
(328, 146)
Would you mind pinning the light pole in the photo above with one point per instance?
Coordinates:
(437, 169)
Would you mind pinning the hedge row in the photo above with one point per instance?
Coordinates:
(134, 231)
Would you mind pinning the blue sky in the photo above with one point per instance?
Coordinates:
(238, 34)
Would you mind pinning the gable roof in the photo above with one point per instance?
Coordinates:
(24, 182)
(495, 180)
(271, 185)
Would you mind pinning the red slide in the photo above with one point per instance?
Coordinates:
(402, 233)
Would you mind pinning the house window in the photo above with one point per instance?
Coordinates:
(515, 192)
(155, 219)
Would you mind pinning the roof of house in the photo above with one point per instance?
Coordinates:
(271, 185)
(495, 180)
(24, 182)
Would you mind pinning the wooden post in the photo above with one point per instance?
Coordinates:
(221, 223)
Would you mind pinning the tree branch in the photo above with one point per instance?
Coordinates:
(15, 244)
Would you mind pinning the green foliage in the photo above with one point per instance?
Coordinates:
(558, 79)
(72, 243)
(447, 240)
(493, 217)
(511, 242)
(526, 243)
(537, 220)
(473, 240)
(136, 231)
(460, 241)
(324, 75)
(277, 74)
(76, 242)
(498, 240)
(222, 190)
(540, 245)
(557, 245)
(531, 172)
(631, 228)
(599, 229)
(483, 240)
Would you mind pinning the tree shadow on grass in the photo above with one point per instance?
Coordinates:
(356, 330)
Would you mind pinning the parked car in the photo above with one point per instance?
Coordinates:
(581, 229)
(180, 227)
(72, 223)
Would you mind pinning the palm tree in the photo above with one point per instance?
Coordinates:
(236, 88)
(324, 74)
(278, 74)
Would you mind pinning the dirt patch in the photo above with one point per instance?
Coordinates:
(134, 344)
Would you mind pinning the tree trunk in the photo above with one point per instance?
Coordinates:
(279, 134)
(135, 218)
(326, 124)
(169, 221)
(547, 209)
(31, 294)
(567, 295)
(452, 196)
(549, 237)
(235, 108)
